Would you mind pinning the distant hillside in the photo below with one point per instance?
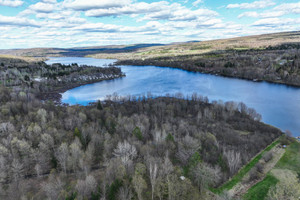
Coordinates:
(77, 51)
(269, 57)
(158, 50)
(191, 48)
(273, 57)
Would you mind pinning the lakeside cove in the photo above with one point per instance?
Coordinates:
(278, 104)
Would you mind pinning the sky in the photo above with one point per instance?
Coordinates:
(78, 23)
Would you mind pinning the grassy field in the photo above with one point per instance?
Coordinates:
(239, 176)
(19, 59)
(291, 158)
(260, 190)
(240, 43)
(289, 161)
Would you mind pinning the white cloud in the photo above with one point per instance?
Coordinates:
(212, 22)
(42, 7)
(49, 1)
(49, 33)
(269, 14)
(137, 8)
(53, 16)
(249, 14)
(254, 5)
(154, 11)
(76, 20)
(280, 10)
(289, 8)
(152, 27)
(18, 21)
(176, 12)
(180, 15)
(95, 4)
(60, 23)
(25, 12)
(97, 27)
(11, 3)
(197, 2)
(276, 22)
(272, 14)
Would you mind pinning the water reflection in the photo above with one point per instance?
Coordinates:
(279, 105)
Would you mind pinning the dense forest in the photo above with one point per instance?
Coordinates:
(146, 147)
(123, 148)
(278, 64)
(47, 81)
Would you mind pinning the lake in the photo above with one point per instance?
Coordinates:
(278, 104)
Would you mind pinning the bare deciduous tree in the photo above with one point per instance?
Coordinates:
(3, 169)
(38, 169)
(17, 169)
(233, 160)
(160, 188)
(167, 166)
(62, 155)
(53, 187)
(75, 154)
(204, 176)
(6, 127)
(41, 115)
(153, 170)
(167, 169)
(86, 187)
(139, 184)
(125, 151)
(125, 193)
(186, 148)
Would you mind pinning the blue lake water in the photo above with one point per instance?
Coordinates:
(279, 105)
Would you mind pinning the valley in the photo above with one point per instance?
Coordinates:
(156, 127)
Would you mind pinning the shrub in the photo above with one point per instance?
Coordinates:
(268, 156)
(99, 105)
(229, 65)
(138, 133)
(256, 171)
(253, 174)
(113, 190)
(259, 167)
(170, 138)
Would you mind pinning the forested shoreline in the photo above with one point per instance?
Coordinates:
(278, 64)
(124, 147)
(48, 81)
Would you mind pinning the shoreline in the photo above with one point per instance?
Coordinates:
(214, 72)
(56, 94)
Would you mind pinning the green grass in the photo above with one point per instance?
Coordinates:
(291, 158)
(239, 176)
(200, 47)
(260, 190)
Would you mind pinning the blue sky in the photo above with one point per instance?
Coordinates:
(74, 23)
